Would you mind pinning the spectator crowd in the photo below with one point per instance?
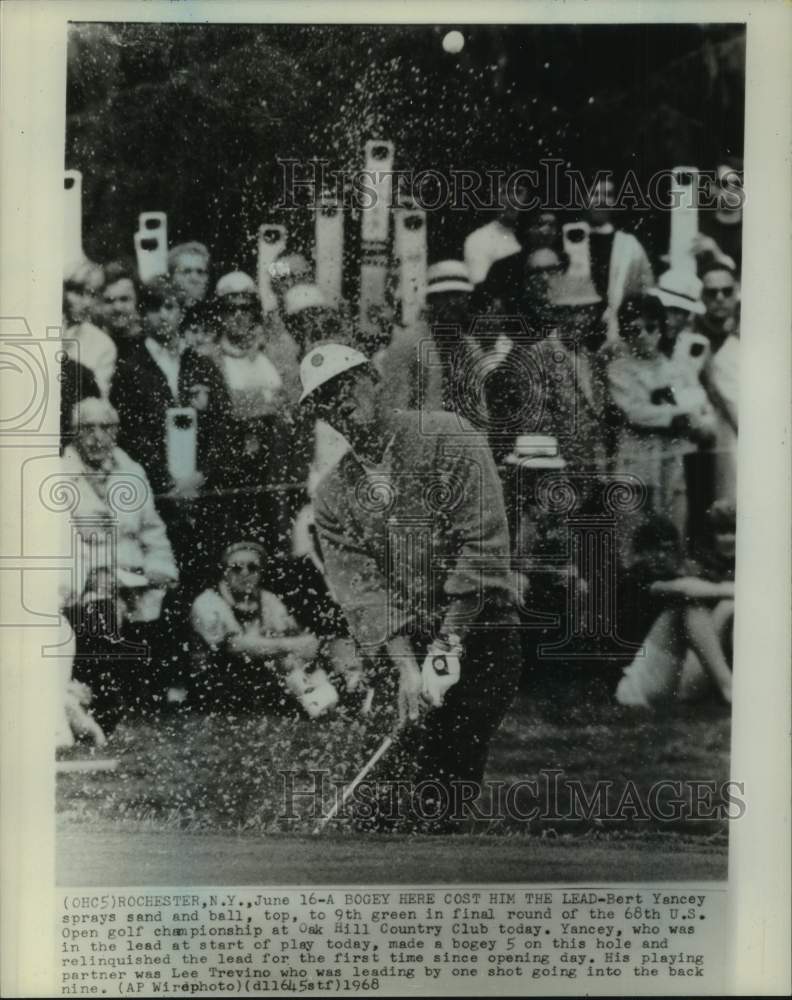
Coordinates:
(584, 357)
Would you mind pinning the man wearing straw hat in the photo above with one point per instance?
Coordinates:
(415, 544)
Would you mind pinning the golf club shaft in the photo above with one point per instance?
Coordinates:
(381, 750)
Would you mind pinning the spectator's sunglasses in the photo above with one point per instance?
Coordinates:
(250, 306)
(107, 428)
(712, 293)
(239, 567)
(640, 325)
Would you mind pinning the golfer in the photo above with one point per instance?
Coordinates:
(415, 544)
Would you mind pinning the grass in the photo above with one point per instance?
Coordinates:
(192, 787)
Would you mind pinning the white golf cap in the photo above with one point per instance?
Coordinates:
(326, 362)
(680, 290)
(303, 296)
(236, 283)
(448, 276)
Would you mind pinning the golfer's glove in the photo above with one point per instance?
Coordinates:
(440, 670)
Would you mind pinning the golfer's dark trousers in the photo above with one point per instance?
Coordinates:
(451, 745)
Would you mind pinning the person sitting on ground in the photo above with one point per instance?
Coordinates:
(245, 643)
(665, 606)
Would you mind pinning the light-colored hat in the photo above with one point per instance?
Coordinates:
(236, 283)
(303, 296)
(536, 451)
(243, 546)
(326, 362)
(680, 290)
(289, 267)
(448, 276)
(93, 408)
(131, 578)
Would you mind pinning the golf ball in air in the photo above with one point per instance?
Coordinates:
(453, 42)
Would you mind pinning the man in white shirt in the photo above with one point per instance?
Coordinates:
(496, 239)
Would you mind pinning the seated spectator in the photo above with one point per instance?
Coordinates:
(682, 620)
(664, 409)
(246, 645)
(720, 373)
(720, 237)
(119, 306)
(85, 342)
(161, 372)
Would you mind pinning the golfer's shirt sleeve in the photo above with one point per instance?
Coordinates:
(373, 612)
(478, 556)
